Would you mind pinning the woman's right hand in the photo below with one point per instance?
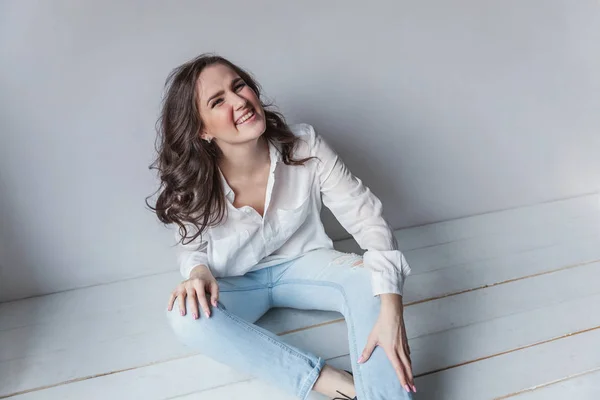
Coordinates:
(200, 283)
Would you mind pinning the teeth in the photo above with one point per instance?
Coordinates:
(247, 116)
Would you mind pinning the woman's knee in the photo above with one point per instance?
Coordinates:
(185, 326)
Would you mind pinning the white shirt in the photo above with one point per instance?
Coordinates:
(291, 225)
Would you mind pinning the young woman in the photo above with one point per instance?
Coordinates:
(246, 190)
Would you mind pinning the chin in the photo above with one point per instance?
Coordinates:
(253, 129)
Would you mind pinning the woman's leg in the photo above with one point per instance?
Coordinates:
(330, 280)
(229, 336)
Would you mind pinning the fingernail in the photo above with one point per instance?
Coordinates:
(414, 388)
(407, 388)
(207, 314)
(181, 312)
(360, 359)
(195, 316)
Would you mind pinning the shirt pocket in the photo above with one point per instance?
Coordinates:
(232, 252)
(290, 219)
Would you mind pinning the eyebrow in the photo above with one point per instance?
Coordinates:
(221, 92)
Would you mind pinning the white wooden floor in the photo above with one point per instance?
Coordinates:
(501, 305)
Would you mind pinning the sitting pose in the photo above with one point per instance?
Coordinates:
(246, 190)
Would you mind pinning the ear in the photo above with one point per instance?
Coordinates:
(205, 136)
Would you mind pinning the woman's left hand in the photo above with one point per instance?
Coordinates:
(390, 334)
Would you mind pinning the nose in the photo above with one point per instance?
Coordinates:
(238, 101)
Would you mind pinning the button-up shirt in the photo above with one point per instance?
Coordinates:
(291, 224)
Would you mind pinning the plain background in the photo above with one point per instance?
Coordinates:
(443, 108)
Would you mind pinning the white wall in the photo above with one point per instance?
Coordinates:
(444, 108)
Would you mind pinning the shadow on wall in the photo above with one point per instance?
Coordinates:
(358, 154)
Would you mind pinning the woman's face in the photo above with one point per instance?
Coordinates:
(230, 110)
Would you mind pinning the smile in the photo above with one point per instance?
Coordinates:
(246, 117)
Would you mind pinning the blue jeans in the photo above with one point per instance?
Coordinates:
(322, 279)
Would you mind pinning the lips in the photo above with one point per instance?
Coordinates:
(249, 114)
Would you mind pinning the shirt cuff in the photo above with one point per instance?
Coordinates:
(389, 270)
(191, 260)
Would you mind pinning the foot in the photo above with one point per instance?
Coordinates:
(344, 396)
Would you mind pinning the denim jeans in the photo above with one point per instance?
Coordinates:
(322, 279)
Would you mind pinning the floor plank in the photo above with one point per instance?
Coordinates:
(584, 386)
(252, 389)
(490, 247)
(153, 382)
(513, 372)
(247, 390)
(554, 213)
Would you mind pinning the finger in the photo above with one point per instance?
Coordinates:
(405, 341)
(368, 350)
(202, 298)
(171, 301)
(198, 290)
(192, 302)
(214, 293)
(181, 298)
(398, 368)
(407, 367)
(406, 349)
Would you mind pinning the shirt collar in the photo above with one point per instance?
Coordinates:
(275, 157)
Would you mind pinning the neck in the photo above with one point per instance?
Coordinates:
(244, 160)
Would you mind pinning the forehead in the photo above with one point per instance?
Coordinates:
(214, 78)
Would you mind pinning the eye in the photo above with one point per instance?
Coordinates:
(240, 86)
(216, 103)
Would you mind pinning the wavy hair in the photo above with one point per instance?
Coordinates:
(191, 191)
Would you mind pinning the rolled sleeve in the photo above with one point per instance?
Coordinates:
(389, 271)
(191, 254)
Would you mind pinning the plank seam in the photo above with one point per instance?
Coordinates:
(507, 351)
(543, 385)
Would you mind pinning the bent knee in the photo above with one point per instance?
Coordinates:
(184, 325)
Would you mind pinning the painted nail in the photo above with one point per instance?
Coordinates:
(414, 388)
(360, 359)
(207, 315)
(195, 316)
(407, 388)
(181, 312)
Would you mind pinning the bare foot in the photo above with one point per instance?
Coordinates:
(332, 379)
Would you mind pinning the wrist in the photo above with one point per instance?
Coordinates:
(198, 270)
(391, 301)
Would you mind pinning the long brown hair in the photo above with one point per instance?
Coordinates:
(191, 191)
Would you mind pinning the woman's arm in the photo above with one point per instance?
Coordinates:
(359, 211)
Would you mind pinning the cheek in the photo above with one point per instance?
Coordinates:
(223, 117)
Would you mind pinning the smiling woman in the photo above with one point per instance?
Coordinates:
(246, 190)
(205, 100)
